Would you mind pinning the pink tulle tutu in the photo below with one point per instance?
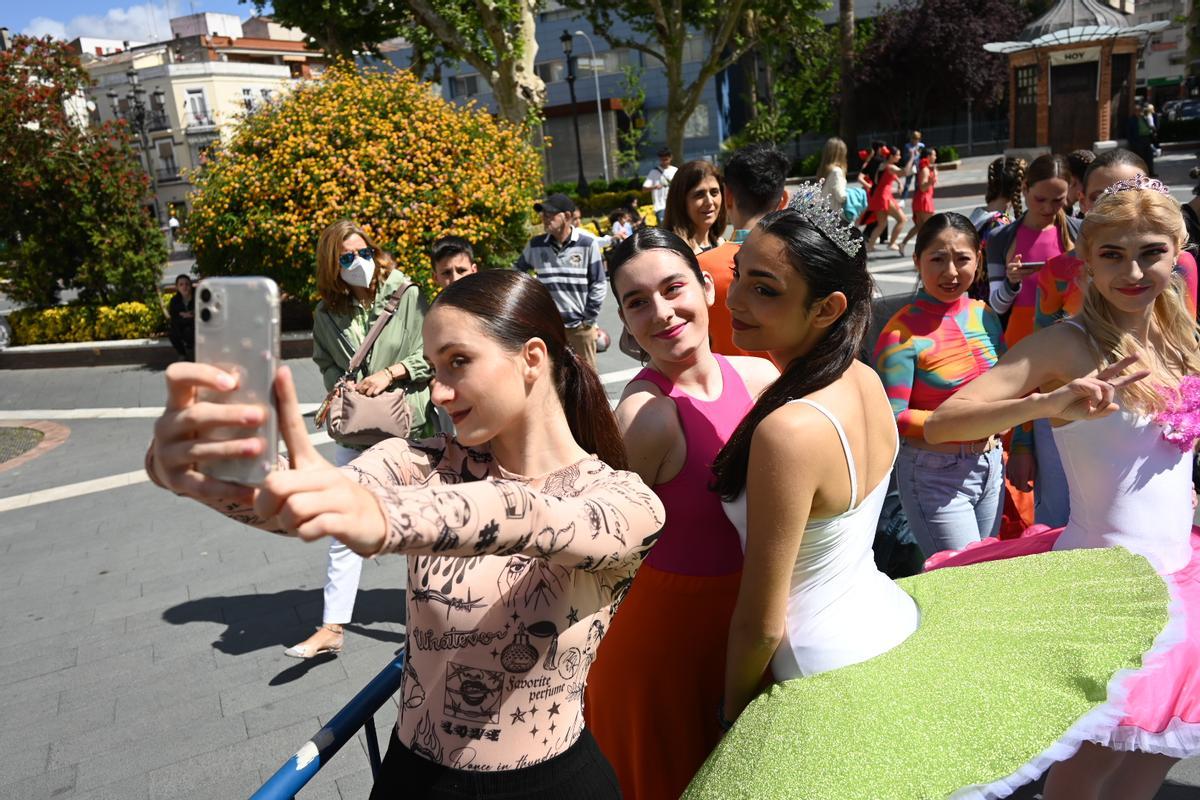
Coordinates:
(1162, 699)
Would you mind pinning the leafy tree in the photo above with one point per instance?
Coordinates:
(661, 29)
(633, 101)
(927, 57)
(341, 29)
(376, 147)
(496, 37)
(71, 213)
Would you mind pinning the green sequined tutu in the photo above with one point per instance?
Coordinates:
(1010, 669)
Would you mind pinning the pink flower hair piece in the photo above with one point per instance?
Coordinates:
(1181, 418)
(1138, 182)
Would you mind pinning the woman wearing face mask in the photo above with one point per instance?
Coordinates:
(522, 533)
(355, 279)
(664, 653)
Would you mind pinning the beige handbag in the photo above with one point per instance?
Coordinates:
(356, 419)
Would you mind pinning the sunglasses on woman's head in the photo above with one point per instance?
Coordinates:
(346, 259)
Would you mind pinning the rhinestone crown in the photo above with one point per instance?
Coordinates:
(1138, 182)
(813, 205)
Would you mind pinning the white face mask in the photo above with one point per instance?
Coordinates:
(360, 272)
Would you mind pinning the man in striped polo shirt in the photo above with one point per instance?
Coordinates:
(567, 261)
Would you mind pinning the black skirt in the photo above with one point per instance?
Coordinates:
(581, 772)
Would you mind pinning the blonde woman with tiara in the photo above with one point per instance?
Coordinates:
(1120, 384)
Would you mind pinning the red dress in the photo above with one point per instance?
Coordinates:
(881, 196)
(923, 200)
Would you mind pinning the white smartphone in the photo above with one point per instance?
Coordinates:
(237, 330)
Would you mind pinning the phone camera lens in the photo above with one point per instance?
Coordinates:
(205, 295)
(205, 315)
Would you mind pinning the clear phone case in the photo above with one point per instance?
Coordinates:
(237, 329)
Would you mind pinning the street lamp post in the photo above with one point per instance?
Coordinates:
(599, 111)
(139, 118)
(566, 40)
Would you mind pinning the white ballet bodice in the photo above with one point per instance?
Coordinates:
(841, 608)
(1128, 487)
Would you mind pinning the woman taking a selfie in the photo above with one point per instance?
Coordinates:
(521, 542)
(355, 279)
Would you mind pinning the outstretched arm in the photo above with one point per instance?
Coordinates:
(1007, 396)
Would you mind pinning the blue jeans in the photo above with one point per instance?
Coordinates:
(1051, 500)
(951, 500)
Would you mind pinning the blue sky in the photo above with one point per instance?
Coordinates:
(146, 21)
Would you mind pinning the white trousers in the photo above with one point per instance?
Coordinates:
(345, 566)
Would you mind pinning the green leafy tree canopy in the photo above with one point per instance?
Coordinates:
(71, 212)
(376, 147)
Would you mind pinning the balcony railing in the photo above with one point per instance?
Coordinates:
(157, 121)
(168, 174)
(200, 122)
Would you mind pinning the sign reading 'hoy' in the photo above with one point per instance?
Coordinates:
(1078, 56)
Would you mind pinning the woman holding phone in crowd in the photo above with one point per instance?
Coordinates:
(1015, 254)
(665, 653)
(355, 278)
(521, 542)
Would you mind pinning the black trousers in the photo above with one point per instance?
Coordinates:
(581, 772)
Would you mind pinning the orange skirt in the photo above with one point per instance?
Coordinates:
(653, 691)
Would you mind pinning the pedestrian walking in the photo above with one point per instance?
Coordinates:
(882, 203)
(922, 202)
(356, 279)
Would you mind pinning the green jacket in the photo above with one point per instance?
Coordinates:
(400, 343)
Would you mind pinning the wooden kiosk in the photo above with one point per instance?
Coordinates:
(1071, 77)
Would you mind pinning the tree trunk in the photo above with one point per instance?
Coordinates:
(519, 91)
(846, 27)
(678, 109)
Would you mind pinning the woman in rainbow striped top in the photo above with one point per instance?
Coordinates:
(952, 493)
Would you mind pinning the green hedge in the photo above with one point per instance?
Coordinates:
(947, 152)
(80, 323)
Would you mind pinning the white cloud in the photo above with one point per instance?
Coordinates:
(148, 22)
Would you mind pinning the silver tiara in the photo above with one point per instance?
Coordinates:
(1136, 183)
(813, 205)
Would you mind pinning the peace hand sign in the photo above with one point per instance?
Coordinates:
(1093, 395)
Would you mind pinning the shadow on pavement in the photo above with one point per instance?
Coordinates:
(261, 621)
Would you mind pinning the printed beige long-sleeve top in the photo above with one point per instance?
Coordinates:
(512, 583)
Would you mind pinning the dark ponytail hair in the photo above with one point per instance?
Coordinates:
(645, 239)
(512, 308)
(825, 269)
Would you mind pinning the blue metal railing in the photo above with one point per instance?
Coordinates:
(317, 751)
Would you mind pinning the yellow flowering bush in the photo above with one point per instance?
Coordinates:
(83, 323)
(379, 148)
